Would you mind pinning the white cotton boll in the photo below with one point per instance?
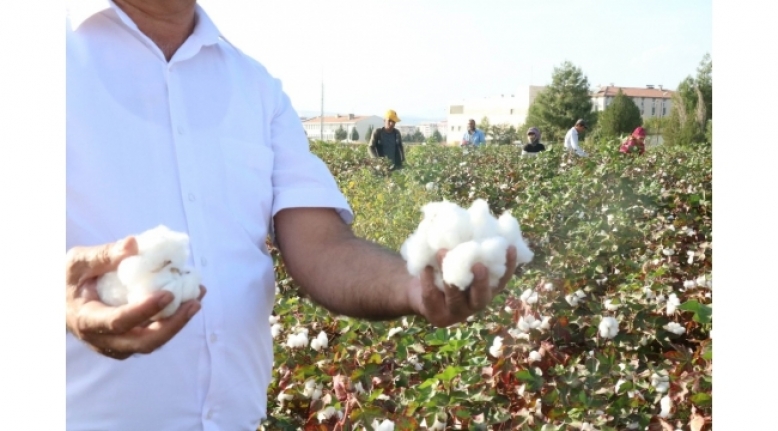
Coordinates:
(534, 356)
(660, 382)
(496, 348)
(666, 403)
(359, 388)
(668, 251)
(492, 252)
(393, 332)
(689, 284)
(517, 334)
(609, 327)
(159, 265)
(449, 225)
(548, 287)
(483, 222)
(430, 186)
(672, 303)
(675, 328)
(580, 294)
(296, 341)
(272, 319)
(386, 425)
(610, 306)
(417, 253)
(320, 342)
(529, 297)
(282, 397)
(326, 413)
(528, 322)
(275, 330)
(572, 300)
(510, 230)
(312, 390)
(545, 323)
(648, 292)
(458, 263)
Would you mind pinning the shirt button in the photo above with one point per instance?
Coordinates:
(214, 338)
(191, 197)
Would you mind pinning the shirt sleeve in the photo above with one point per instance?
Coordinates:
(300, 179)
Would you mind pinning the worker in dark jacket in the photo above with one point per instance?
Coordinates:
(387, 141)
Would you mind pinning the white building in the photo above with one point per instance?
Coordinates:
(406, 129)
(652, 102)
(313, 126)
(428, 128)
(510, 109)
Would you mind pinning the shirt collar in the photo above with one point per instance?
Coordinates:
(80, 10)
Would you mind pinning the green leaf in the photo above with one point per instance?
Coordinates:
(701, 399)
(449, 373)
(702, 312)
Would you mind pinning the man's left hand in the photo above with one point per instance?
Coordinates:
(450, 306)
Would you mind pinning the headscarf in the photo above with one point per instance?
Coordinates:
(639, 133)
(537, 133)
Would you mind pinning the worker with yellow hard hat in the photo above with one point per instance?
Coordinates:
(387, 141)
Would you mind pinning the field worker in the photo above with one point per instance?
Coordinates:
(168, 123)
(473, 137)
(571, 138)
(387, 141)
(635, 143)
(534, 146)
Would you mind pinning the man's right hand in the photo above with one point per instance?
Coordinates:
(116, 332)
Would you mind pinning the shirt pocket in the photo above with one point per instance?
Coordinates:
(248, 168)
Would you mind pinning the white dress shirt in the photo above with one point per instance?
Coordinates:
(207, 144)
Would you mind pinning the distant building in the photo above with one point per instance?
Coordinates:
(508, 109)
(652, 101)
(406, 129)
(313, 126)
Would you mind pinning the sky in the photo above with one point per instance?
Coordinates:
(418, 56)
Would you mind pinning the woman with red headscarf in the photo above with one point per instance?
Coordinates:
(636, 142)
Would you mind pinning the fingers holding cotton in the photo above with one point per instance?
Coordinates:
(159, 265)
(470, 236)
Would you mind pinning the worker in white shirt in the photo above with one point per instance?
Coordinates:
(571, 138)
(169, 123)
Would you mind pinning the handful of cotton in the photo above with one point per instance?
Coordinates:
(470, 235)
(159, 265)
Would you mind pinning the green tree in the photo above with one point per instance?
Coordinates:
(369, 133)
(354, 134)
(484, 125)
(564, 101)
(408, 138)
(418, 136)
(503, 134)
(340, 134)
(692, 108)
(436, 136)
(622, 116)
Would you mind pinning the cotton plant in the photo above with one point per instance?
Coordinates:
(672, 303)
(298, 340)
(385, 425)
(471, 236)
(575, 298)
(320, 342)
(529, 297)
(159, 265)
(496, 349)
(660, 382)
(675, 328)
(312, 390)
(609, 327)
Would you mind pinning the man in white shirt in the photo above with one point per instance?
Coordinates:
(168, 123)
(571, 138)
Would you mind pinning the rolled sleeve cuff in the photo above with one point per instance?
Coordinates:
(313, 198)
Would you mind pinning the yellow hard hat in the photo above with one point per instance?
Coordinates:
(391, 115)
